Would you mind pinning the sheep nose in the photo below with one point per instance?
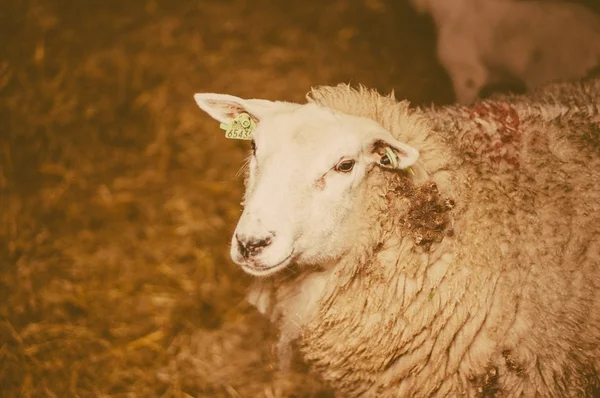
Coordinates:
(251, 246)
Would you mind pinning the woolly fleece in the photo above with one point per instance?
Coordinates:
(477, 276)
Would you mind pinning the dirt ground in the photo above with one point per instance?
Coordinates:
(118, 196)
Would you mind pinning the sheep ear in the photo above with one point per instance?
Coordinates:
(225, 108)
(393, 154)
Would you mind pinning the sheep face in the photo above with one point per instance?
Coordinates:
(304, 180)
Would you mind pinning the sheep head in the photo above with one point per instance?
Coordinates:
(304, 180)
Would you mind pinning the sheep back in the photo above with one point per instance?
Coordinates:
(507, 300)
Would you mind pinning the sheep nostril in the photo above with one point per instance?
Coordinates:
(241, 247)
(262, 242)
(254, 246)
(251, 246)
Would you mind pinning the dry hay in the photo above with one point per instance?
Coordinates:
(118, 197)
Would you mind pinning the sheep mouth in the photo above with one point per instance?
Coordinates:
(258, 269)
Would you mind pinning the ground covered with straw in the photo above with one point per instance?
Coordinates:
(118, 196)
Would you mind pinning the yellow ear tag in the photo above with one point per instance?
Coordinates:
(392, 156)
(394, 160)
(240, 128)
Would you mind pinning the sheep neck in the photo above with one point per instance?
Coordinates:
(385, 281)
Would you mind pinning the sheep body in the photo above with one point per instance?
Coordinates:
(493, 42)
(477, 276)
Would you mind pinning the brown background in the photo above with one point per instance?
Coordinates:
(118, 195)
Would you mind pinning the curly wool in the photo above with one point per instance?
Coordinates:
(503, 297)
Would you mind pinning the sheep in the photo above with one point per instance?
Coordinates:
(451, 251)
(512, 43)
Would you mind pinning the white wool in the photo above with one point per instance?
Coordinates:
(476, 274)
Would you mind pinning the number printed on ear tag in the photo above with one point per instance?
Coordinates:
(240, 128)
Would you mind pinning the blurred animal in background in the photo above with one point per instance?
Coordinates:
(514, 44)
(451, 251)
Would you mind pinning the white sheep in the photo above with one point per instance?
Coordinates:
(485, 43)
(471, 268)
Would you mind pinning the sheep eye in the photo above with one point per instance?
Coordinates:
(345, 166)
(253, 146)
